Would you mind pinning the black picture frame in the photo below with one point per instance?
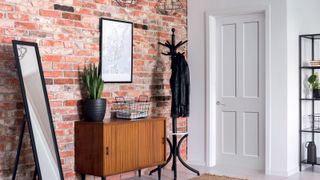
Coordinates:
(15, 44)
(101, 51)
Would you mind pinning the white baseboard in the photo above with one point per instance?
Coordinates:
(284, 173)
(195, 162)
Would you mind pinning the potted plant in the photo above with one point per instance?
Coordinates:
(314, 83)
(94, 107)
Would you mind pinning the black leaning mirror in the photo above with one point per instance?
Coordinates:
(37, 111)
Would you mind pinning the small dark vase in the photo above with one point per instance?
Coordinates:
(311, 152)
(316, 93)
(94, 109)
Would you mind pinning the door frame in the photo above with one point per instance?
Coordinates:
(210, 22)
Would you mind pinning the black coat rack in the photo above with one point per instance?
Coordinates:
(174, 146)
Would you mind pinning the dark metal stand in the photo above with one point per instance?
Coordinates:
(175, 152)
(306, 69)
(175, 145)
(16, 163)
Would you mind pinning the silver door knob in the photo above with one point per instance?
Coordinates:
(219, 103)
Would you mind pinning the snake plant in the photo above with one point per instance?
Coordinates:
(93, 81)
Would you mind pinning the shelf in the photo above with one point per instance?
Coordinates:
(310, 67)
(311, 36)
(305, 162)
(309, 99)
(310, 131)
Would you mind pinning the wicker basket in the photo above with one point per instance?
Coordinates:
(131, 108)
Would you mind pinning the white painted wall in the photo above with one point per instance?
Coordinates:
(287, 19)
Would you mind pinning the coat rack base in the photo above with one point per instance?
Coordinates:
(174, 153)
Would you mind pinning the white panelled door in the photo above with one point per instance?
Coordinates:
(241, 91)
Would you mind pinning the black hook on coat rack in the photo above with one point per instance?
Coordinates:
(172, 46)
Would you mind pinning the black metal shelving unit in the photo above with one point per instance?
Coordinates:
(303, 69)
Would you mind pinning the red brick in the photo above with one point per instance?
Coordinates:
(69, 174)
(63, 37)
(89, 5)
(5, 7)
(26, 25)
(53, 58)
(49, 13)
(85, 11)
(53, 73)
(6, 23)
(83, 25)
(138, 13)
(6, 40)
(71, 102)
(83, 53)
(65, 22)
(71, 118)
(74, 59)
(19, 17)
(92, 60)
(71, 73)
(56, 103)
(63, 81)
(168, 18)
(62, 66)
(66, 153)
(101, 1)
(59, 132)
(51, 43)
(15, 32)
(71, 16)
(64, 125)
(92, 46)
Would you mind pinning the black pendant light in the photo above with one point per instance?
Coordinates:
(168, 7)
(126, 3)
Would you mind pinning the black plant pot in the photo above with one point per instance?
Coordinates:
(316, 93)
(94, 109)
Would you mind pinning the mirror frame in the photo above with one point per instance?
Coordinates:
(15, 43)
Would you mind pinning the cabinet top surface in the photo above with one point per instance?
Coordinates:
(121, 121)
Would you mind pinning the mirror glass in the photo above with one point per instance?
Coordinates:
(38, 111)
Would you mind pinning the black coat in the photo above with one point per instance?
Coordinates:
(180, 86)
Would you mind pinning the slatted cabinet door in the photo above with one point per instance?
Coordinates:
(121, 148)
(151, 142)
(159, 141)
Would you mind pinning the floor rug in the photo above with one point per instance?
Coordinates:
(214, 177)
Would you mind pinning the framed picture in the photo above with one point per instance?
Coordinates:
(116, 49)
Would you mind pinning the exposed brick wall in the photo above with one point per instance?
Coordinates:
(68, 36)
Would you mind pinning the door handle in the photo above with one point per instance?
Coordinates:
(220, 104)
(107, 150)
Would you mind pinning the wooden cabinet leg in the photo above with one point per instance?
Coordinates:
(159, 172)
(139, 172)
(103, 178)
(83, 177)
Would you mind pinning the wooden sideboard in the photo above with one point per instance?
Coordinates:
(117, 146)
